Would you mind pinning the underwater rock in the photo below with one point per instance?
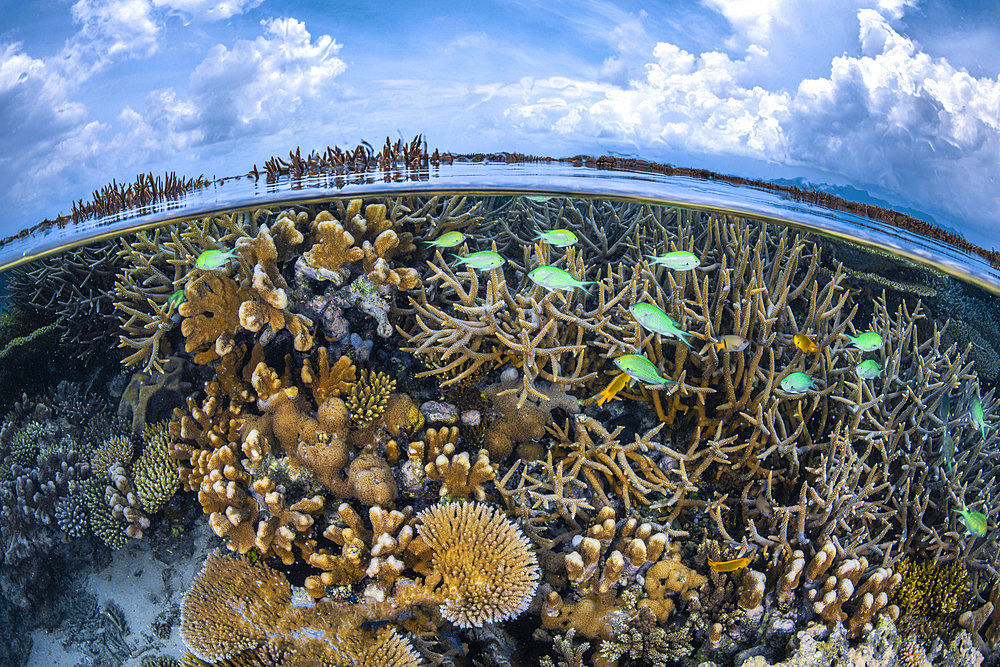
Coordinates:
(438, 412)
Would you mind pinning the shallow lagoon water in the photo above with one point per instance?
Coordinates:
(309, 410)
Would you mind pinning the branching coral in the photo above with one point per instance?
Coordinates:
(369, 396)
(155, 473)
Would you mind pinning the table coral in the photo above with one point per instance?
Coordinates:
(233, 606)
(483, 569)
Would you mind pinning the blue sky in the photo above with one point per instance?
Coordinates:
(897, 97)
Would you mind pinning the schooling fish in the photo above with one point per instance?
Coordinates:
(797, 383)
(561, 238)
(176, 299)
(652, 318)
(448, 240)
(213, 260)
(640, 368)
(805, 343)
(867, 341)
(679, 260)
(976, 415)
(728, 565)
(731, 343)
(554, 278)
(482, 260)
(975, 522)
(868, 369)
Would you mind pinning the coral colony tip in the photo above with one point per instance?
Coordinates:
(975, 522)
(561, 238)
(483, 260)
(868, 369)
(554, 278)
(731, 343)
(797, 383)
(805, 343)
(447, 240)
(680, 260)
(213, 260)
(867, 341)
(640, 368)
(652, 318)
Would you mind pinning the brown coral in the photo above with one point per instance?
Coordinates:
(483, 563)
(211, 317)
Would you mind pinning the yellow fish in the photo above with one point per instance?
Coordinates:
(806, 344)
(729, 565)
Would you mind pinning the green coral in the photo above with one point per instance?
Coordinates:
(103, 524)
(26, 444)
(929, 588)
(118, 448)
(155, 474)
(159, 661)
(369, 396)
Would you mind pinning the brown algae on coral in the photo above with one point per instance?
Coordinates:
(409, 459)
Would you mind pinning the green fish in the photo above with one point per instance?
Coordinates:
(975, 522)
(797, 383)
(868, 369)
(213, 260)
(447, 240)
(680, 260)
(977, 416)
(176, 299)
(560, 238)
(484, 259)
(867, 341)
(554, 278)
(538, 198)
(652, 318)
(640, 368)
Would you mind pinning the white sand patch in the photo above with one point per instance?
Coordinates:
(144, 588)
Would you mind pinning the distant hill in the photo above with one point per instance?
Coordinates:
(852, 193)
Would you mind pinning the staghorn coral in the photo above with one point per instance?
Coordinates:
(482, 566)
(369, 396)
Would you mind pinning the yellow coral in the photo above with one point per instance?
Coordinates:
(369, 396)
(335, 246)
(155, 475)
(233, 606)
(483, 563)
(113, 449)
(929, 588)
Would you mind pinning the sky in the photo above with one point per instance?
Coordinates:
(900, 98)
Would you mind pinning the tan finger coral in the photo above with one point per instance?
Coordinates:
(460, 476)
(483, 563)
(233, 606)
(326, 380)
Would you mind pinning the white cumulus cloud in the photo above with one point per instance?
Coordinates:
(890, 117)
(211, 10)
